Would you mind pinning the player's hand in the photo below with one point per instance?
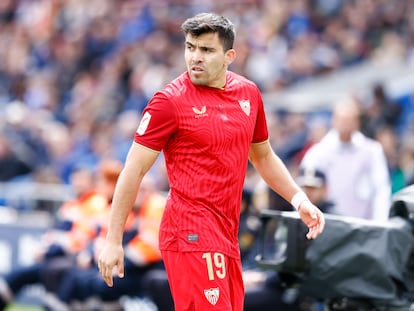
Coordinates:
(111, 262)
(313, 219)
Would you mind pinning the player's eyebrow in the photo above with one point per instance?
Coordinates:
(188, 43)
(206, 48)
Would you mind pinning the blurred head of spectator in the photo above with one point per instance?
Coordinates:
(107, 176)
(82, 179)
(380, 112)
(313, 183)
(11, 165)
(346, 118)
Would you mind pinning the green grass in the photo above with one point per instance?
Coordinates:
(21, 307)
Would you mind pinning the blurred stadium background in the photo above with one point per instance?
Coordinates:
(75, 76)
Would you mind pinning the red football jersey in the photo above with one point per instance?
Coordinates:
(205, 134)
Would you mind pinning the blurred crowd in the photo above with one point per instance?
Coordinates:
(75, 75)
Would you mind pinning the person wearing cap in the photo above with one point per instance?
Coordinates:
(313, 183)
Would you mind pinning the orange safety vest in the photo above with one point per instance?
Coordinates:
(143, 246)
(88, 215)
(145, 243)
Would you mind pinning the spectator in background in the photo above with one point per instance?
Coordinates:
(381, 112)
(90, 224)
(248, 230)
(406, 159)
(83, 285)
(313, 182)
(11, 163)
(295, 135)
(84, 61)
(393, 148)
(355, 166)
(78, 222)
(21, 148)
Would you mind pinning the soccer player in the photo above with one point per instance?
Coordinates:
(208, 122)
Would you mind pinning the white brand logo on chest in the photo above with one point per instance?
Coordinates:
(199, 113)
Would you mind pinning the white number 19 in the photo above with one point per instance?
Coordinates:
(216, 264)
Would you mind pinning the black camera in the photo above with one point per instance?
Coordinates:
(353, 260)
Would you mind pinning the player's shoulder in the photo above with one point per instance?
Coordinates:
(237, 80)
(176, 87)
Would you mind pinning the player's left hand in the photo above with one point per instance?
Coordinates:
(313, 218)
(111, 262)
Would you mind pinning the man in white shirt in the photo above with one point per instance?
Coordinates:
(355, 166)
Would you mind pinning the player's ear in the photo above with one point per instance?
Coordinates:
(229, 56)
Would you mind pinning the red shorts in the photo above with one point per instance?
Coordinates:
(204, 281)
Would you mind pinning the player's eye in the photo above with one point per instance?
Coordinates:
(189, 47)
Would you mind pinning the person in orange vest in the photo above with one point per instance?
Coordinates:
(83, 284)
(78, 222)
(89, 222)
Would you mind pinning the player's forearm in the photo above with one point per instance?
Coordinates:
(278, 178)
(137, 164)
(274, 172)
(123, 201)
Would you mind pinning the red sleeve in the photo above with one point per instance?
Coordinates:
(260, 131)
(157, 124)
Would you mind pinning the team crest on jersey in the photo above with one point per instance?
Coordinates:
(144, 123)
(245, 106)
(212, 295)
(200, 112)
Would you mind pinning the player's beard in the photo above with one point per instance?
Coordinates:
(205, 78)
(198, 77)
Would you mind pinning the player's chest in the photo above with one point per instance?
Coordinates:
(218, 121)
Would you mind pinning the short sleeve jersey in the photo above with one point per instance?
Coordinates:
(205, 134)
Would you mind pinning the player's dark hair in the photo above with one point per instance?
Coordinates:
(211, 23)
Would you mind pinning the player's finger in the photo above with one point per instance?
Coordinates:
(106, 273)
(108, 278)
(321, 222)
(311, 233)
(121, 269)
(317, 228)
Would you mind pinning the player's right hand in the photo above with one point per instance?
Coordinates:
(111, 262)
(313, 218)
